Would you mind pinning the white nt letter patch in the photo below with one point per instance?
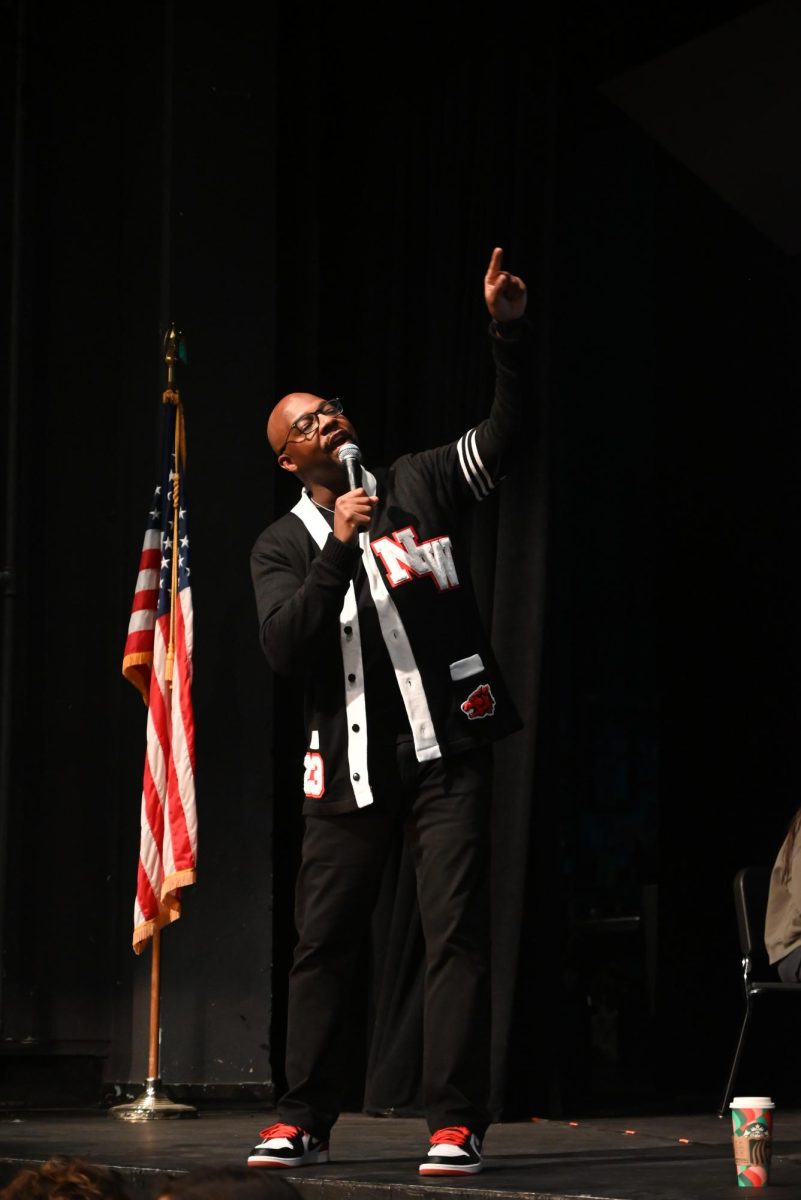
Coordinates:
(405, 558)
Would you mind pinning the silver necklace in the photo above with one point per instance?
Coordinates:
(323, 506)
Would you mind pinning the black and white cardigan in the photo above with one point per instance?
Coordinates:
(419, 581)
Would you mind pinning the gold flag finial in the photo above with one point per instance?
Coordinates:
(171, 348)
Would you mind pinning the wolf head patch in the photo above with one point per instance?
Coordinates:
(480, 703)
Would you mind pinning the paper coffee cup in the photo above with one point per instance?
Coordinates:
(752, 1138)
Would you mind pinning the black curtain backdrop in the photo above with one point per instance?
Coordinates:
(401, 173)
(317, 214)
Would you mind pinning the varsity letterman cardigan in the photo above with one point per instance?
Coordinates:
(416, 565)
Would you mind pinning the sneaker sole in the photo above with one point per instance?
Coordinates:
(308, 1160)
(431, 1169)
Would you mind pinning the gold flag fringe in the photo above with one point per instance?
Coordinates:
(143, 933)
(130, 662)
(178, 879)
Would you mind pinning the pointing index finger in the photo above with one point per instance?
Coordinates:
(494, 268)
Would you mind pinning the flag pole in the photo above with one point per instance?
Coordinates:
(173, 396)
(154, 1103)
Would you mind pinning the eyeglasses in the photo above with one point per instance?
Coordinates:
(306, 424)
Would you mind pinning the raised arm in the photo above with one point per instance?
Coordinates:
(470, 467)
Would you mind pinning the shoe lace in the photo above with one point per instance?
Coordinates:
(279, 1130)
(455, 1135)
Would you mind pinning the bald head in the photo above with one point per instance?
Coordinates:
(287, 410)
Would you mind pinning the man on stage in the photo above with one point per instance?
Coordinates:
(364, 589)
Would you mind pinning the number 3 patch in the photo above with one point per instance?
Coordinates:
(313, 775)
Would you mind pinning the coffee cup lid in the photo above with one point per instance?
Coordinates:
(752, 1102)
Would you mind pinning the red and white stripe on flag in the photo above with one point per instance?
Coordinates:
(168, 825)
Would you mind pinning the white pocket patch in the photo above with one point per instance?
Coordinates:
(464, 667)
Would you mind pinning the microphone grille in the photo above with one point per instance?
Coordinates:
(349, 451)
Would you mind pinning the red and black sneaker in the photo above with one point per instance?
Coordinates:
(455, 1150)
(287, 1146)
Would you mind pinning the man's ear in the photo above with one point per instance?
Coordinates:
(286, 463)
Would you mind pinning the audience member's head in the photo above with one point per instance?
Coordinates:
(66, 1177)
(226, 1183)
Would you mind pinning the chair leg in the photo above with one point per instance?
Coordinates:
(733, 1072)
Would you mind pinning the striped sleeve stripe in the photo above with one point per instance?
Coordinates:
(473, 469)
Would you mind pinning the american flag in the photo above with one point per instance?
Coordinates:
(159, 645)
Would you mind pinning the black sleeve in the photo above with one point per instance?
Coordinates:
(298, 601)
(469, 468)
(496, 438)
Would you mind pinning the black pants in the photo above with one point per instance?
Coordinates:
(443, 807)
(789, 967)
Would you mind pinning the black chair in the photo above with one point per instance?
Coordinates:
(751, 886)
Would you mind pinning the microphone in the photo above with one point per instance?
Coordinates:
(351, 456)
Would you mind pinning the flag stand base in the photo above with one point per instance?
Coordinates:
(152, 1105)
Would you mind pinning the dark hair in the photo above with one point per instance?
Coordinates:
(66, 1177)
(226, 1183)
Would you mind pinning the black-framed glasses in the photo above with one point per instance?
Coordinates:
(306, 424)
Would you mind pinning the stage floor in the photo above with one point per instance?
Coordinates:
(376, 1158)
